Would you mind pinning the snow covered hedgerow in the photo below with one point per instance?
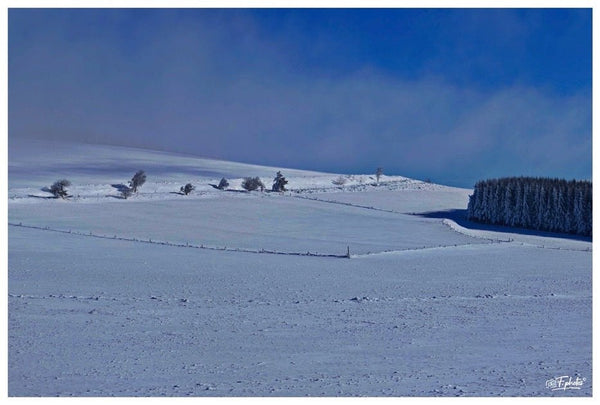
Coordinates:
(188, 188)
(137, 180)
(58, 189)
(223, 184)
(279, 183)
(252, 183)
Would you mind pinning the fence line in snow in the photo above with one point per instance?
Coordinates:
(347, 204)
(186, 245)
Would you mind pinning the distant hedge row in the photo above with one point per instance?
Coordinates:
(537, 203)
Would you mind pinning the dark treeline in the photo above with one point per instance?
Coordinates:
(536, 203)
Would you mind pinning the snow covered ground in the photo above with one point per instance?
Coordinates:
(223, 293)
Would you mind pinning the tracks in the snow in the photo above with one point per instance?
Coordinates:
(364, 300)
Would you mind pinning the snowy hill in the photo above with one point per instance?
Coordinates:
(211, 217)
(94, 168)
(225, 293)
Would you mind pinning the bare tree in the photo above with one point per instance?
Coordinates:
(58, 189)
(378, 173)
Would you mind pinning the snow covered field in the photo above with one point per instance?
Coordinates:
(223, 293)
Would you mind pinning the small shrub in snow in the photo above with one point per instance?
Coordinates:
(58, 189)
(252, 183)
(279, 183)
(223, 184)
(137, 181)
(340, 181)
(188, 188)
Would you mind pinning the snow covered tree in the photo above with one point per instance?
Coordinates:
(526, 213)
(587, 210)
(188, 188)
(252, 183)
(58, 189)
(561, 219)
(515, 215)
(508, 205)
(279, 183)
(540, 207)
(137, 181)
(378, 173)
(223, 184)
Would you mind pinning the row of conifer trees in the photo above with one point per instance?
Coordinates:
(537, 203)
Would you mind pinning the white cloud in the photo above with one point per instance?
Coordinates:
(195, 88)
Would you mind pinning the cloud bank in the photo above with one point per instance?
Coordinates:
(220, 87)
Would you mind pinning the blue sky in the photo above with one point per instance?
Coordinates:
(452, 95)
